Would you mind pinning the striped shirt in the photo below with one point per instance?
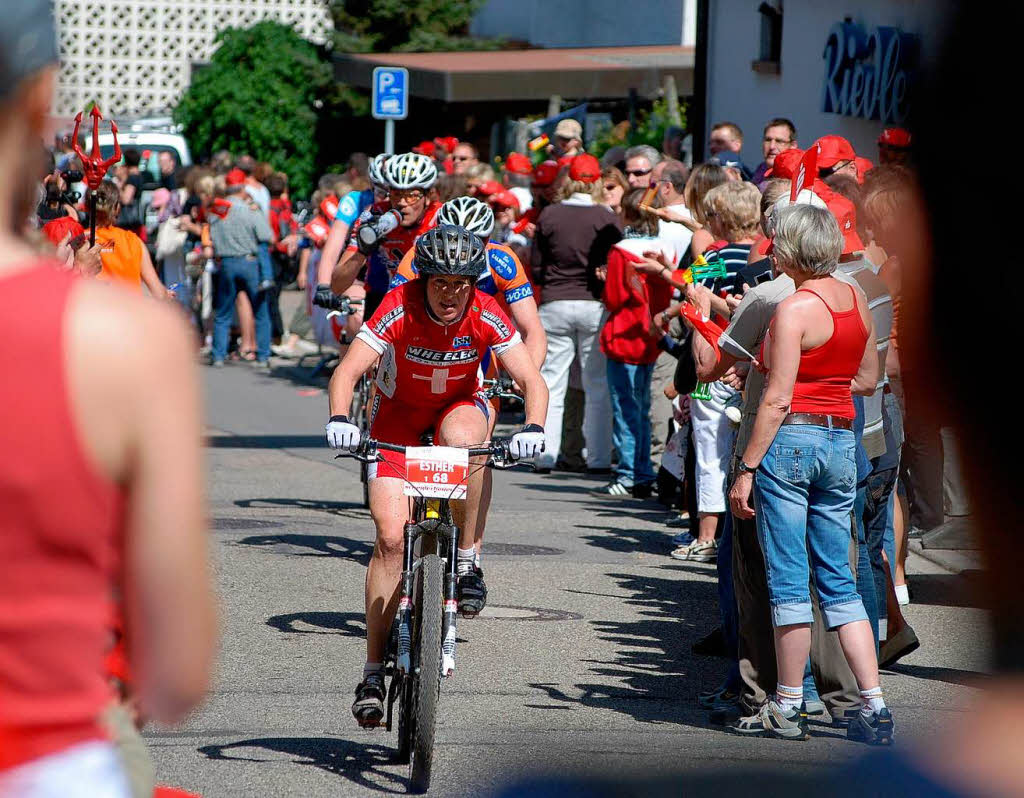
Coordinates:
(880, 305)
(735, 258)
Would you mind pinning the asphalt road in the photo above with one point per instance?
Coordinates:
(584, 664)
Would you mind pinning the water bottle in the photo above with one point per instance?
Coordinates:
(374, 230)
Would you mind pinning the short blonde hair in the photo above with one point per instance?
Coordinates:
(733, 210)
(568, 187)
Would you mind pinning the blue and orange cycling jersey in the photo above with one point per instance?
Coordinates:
(352, 205)
(505, 278)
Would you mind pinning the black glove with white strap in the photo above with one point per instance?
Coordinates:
(342, 434)
(527, 443)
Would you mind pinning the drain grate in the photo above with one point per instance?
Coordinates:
(518, 550)
(497, 612)
(238, 522)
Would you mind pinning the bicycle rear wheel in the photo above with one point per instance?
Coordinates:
(427, 678)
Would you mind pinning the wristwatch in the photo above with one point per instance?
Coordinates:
(743, 468)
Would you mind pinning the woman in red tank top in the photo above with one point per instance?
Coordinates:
(800, 463)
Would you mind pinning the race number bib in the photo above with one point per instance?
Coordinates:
(437, 472)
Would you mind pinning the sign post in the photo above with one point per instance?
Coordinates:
(390, 100)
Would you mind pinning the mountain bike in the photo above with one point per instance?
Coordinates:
(421, 644)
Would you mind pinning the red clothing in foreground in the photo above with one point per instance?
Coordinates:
(60, 531)
(631, 300)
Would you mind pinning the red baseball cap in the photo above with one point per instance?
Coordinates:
(895, 137)
(585, 168)
(504, 199)
(447, 143)
(786, 164)
(518, 164)
(425, 148)
(565, 160)
(235, 177)
(846, 214)
(490, 187)
(544, 174)
(863, 167)
(833, 150)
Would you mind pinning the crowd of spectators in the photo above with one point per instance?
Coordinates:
(617, 249)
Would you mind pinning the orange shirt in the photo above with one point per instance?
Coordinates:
(121, 254)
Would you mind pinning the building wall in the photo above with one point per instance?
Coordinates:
(136, 56)
(736, 93)
(587, 23)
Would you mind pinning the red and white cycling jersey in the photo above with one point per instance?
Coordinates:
(425, 363)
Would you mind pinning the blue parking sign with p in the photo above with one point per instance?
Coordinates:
(390, 93)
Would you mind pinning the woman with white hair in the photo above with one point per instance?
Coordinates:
(801, 460)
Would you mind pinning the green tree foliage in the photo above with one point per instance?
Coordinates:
(365, 26)
(650, 129)
(267, 92)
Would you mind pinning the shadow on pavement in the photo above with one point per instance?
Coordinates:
(358, 762)
(652, 677)
(938, 674)
(624, 541)
(319, 505)
(312, 546)
(348, 624)
(266, 442)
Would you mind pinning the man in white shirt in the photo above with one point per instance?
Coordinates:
(671, 177)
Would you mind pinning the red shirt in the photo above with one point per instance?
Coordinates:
(425, 363)
(61, 530)
(282, 223)
(631, 301)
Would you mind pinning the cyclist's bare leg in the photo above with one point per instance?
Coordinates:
(466, 426)
(389, 509)
(485, 489)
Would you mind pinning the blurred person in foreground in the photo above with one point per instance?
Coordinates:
(105, 496)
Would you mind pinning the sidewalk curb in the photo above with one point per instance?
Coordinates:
(951, 560)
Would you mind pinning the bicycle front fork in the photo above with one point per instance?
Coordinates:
(405, 601)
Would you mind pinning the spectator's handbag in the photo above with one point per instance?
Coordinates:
(685, 378)
(170, 240)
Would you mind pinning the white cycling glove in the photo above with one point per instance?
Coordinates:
(527, 443)
(342, 434)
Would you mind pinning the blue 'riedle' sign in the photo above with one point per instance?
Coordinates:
(869, 75)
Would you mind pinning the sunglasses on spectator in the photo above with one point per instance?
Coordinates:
(461, 157)
(770, 140)
(639, 172)
(407, 197)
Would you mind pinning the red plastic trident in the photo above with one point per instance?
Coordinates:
(94, 168)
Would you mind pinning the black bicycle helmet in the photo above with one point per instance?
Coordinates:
(450, 249)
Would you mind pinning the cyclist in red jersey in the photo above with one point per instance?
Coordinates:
(378, 243)
(505, 279)
(430, 336)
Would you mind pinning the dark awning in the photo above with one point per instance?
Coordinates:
(528, 74)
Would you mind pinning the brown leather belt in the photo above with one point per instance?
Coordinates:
(818, 420)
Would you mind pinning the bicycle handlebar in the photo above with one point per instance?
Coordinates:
(498, 452)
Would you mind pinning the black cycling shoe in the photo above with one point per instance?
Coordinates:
(368, 708)
(472, 592)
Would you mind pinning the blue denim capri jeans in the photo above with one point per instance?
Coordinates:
(804, 492)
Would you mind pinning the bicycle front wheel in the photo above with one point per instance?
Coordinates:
(427, 685)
